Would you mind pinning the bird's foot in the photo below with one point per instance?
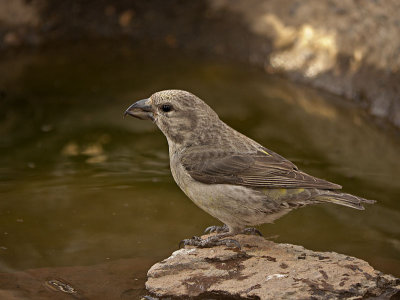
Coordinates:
(224, 229)
(216, 229)
(212, 241)
(219, 239)
(252, 231)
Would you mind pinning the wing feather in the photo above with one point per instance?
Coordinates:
(263, 168)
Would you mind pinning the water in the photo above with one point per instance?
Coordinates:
(83, 190)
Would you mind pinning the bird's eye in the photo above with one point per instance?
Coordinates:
(166, 107)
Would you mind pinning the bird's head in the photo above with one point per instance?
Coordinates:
(180, 115)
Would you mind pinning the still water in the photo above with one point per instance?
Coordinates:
(83, 191)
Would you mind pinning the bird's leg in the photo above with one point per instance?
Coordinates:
(224, 228)
(217, 229)
(220, 238)
(214, 240)
(252, 231)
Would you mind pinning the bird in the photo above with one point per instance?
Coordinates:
(227, 174)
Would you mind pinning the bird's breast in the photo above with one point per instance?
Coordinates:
(179, 173)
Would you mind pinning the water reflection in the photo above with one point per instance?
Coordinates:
(82, 186)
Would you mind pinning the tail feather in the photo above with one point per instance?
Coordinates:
(343, 199)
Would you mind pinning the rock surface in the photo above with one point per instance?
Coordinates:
(265, 270)
(335, 45)
(339, 45)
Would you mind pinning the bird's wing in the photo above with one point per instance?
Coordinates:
(263, 168)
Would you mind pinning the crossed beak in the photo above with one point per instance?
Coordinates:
(141, 110)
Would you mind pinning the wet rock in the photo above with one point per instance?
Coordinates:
(338, 45)
(265, 270)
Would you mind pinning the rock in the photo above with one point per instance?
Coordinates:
(336, 45)
(266, 270)
(332, 45)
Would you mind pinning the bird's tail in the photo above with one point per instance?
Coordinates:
(343, 199)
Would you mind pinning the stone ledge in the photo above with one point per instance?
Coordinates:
(266, 270)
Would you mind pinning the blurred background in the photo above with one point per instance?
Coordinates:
(87, 198)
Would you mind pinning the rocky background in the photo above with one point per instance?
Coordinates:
(347, 47)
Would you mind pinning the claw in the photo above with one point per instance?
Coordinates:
(253, 231)
(189, 242)
(209, 242)
(225, 228)
(210, 229)
(217, 229)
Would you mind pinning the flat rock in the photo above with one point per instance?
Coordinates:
(266, 270)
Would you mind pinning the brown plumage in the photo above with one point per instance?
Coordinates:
(253, 169)
(226, 173)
